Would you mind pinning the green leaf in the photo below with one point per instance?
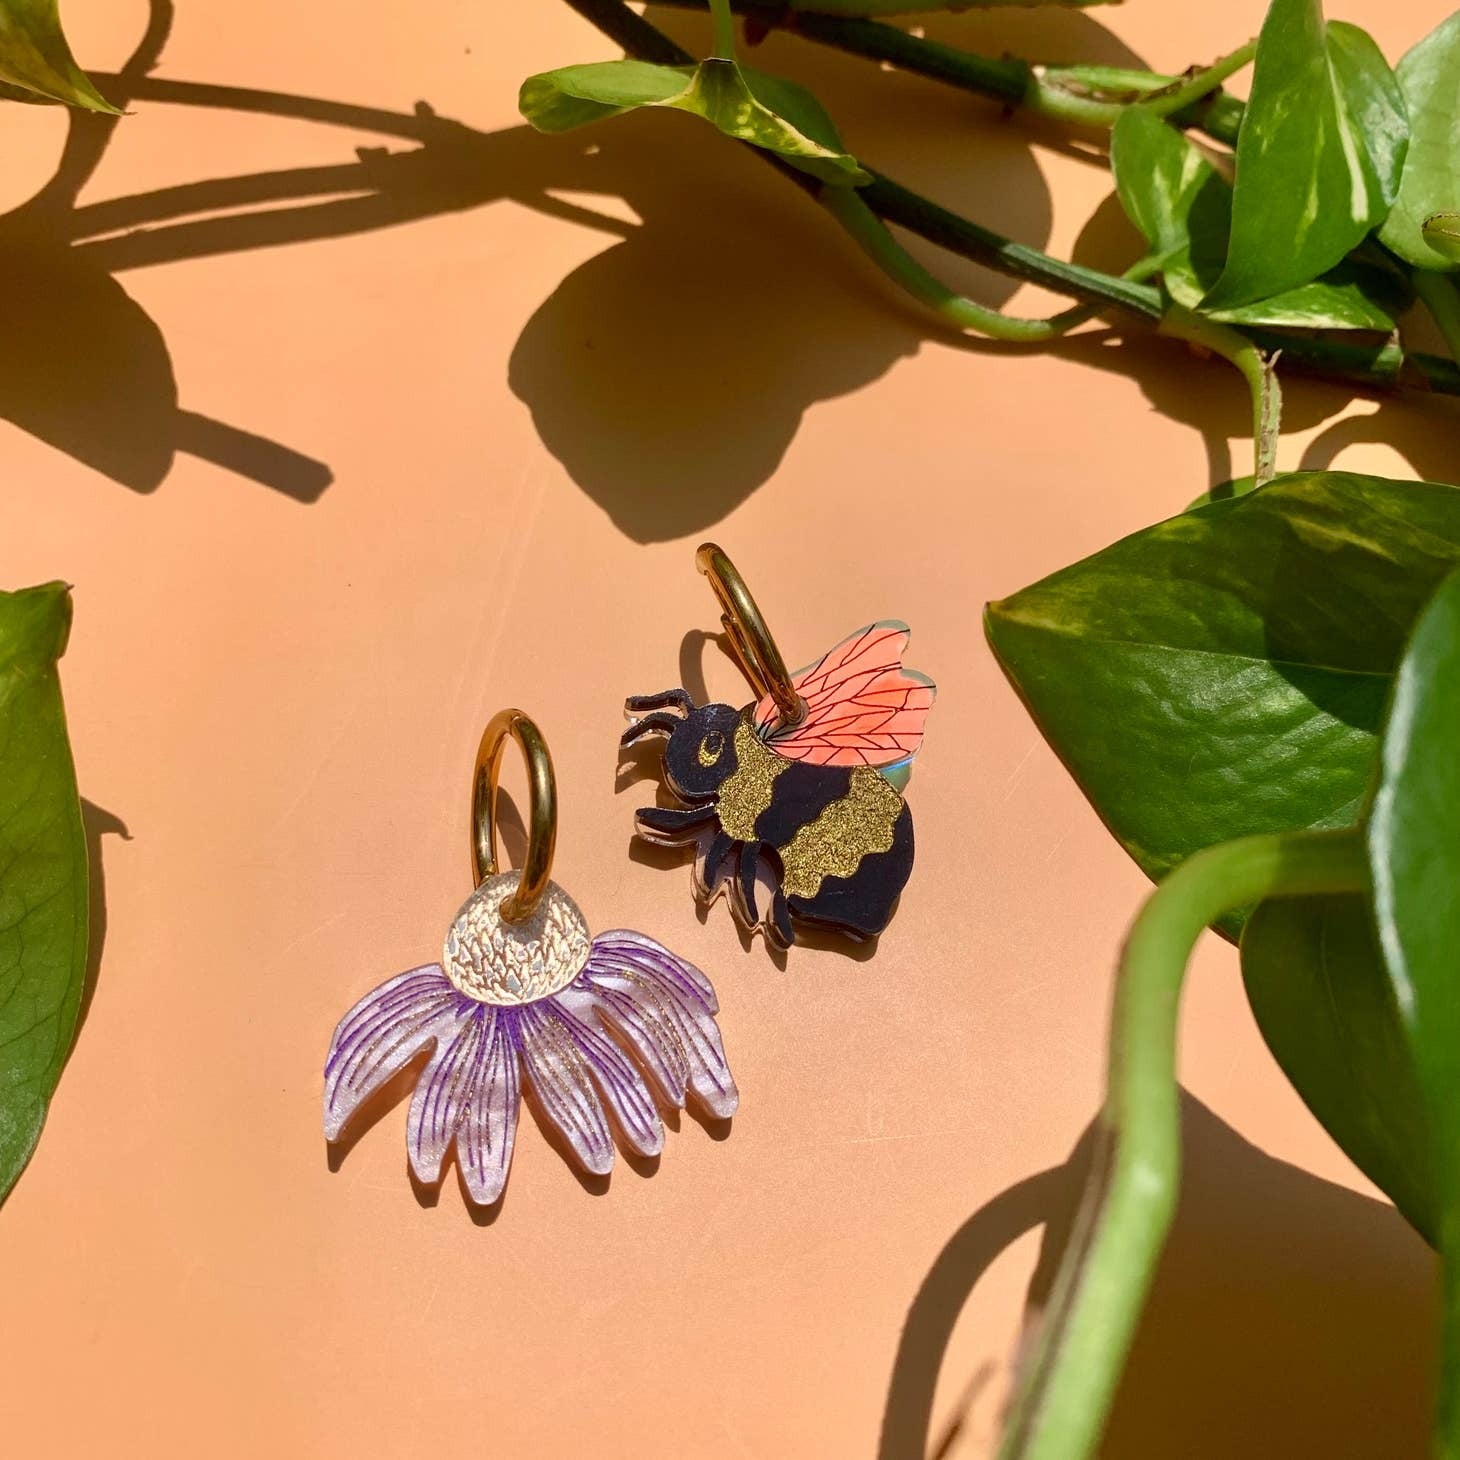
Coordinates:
(560, 100)
(1318, 156)
(1353, 295)
(1414, 855)
(1359, 1001)
(1161, 177)
(43, 896)
(1183, 206)
(1414, 860)
(1371, 104)
(1225, 672)
(1429, 78)
(1442, 233)
(34, 55)
(751, 106)
(1316, 983)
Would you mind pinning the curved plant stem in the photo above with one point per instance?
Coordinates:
(956, 309)
(899, 265)
(1443, 302)
(1051, 100)
(1202, 83)
(897, 204)
(1097, 1296)
(1257, 369)
(724, 20)
(1121, 81)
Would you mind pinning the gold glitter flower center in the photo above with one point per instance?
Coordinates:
(497, 962)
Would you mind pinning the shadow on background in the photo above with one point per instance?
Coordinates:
(670, 372)
(1290, 1316)
(1411, 425)
(97, 823)
(84, 367)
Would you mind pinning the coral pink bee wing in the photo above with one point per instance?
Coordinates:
(862, 706)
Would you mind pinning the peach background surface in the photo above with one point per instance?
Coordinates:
(446, 427)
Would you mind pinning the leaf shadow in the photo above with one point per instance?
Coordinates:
(1289, 1315)
(85, 369)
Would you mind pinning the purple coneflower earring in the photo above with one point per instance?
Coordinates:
(523, 994)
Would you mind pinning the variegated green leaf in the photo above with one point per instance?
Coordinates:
(751, 106)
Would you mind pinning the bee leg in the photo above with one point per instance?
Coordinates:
(658, 722)
(712, 868)
(746, 902)
(779, 928)
(670, 827)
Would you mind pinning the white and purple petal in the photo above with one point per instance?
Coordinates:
(382, 1034)
(485, 1138)
(444, 1093)
(557, 1070)
(621, 1085)
(642, 1024)
(664, 1008)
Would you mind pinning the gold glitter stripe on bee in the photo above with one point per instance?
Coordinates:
(747, 793)
(846, 831)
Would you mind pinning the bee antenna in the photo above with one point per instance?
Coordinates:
(674, 702)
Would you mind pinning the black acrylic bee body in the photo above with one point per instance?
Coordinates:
(837, 840)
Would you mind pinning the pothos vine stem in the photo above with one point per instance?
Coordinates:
(1060, 1409)
(1257, 367)
(877, 242)
(724, 20)
(894, 203)
(1054, 101)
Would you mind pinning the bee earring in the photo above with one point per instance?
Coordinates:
(523, 995)
(804, 785)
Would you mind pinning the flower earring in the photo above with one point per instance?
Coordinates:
(522, 995)
(804, 785)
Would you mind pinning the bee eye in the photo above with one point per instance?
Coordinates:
(711, 748)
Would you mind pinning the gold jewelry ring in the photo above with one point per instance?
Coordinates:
(756, 649)
(542, 811)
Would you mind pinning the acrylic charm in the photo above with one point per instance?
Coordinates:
(524, 1000)
(802, 787)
